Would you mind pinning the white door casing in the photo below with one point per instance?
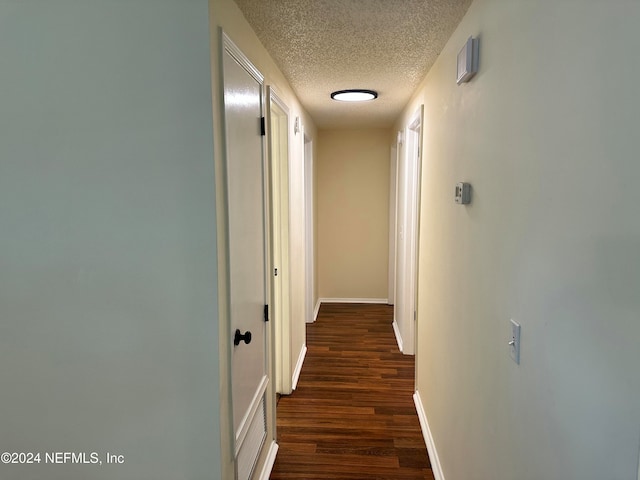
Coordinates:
(247, 241)
(393, 201)
(278, 122)
(309, 233)
(399, 311)
(409, 171)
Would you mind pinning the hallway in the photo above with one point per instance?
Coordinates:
(352, 415)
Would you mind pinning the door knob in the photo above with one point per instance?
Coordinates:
(239, 337)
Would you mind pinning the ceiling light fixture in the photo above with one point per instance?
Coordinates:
(354, 95)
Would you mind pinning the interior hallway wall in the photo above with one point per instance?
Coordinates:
(108, 304)
(353, 213)
(546, 134)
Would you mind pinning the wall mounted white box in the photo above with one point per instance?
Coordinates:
(463, 193)
(467, 61)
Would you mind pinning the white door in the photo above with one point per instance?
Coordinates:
(279, 166)
(407, 235)
(243, 98)
(308, 229)
(393, 202)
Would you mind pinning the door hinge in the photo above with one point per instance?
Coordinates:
(263, 128)
(266, 313)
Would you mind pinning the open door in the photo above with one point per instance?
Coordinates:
(409, 171)
(308, 229)
(393, 202)
(278, 116)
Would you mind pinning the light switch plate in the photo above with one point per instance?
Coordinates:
(514, 342)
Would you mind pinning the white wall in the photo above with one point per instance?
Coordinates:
(547, 135)
(108, 310)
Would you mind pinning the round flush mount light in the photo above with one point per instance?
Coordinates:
(354, 95)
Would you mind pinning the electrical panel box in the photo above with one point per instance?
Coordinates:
(463, 193)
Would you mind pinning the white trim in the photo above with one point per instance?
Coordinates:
(269, 461)
(353, 300)
(393, 211)
(428, 438)
(232, 49)
(273, 95)
(396, 330)
(307, 155)
(408, 221)
(317, 310)
(280, 249)
(245, 424)
(298, 369)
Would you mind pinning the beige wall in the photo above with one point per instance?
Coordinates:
(353, 213)
(547, 136)
(225, 14)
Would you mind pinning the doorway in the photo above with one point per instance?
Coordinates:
(279, 172)
(393, 202)
(408, 195)
(310, 313)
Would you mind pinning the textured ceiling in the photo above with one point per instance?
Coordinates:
(327, 45)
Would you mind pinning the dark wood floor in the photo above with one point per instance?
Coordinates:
(352, 415)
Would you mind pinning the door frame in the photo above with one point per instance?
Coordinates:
(309, 227)
(393, 228)
(279, 157)
(409, 184)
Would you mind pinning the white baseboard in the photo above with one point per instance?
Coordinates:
(353, 300)
(316, 310)
(428, 438)
(298, 369)
(396, 331)
(269, 461)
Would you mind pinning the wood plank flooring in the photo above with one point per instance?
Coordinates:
(352, 415)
